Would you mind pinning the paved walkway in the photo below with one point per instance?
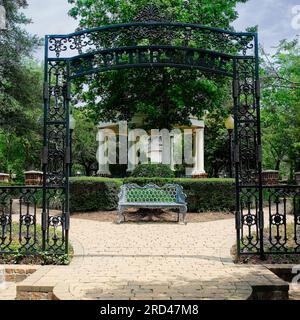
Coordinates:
(8, 291)
(151, 261)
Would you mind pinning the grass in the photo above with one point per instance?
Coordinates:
(20, 256)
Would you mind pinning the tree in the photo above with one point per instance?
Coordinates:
(165, 96)
(84, 142)
(20, 93)
(216, 143)
(281, 108)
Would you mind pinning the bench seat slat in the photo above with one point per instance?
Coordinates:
(156, 204)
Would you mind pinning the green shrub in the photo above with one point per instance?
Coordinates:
(118, 170)
(202, 194)
(91, 194)
(153, 170)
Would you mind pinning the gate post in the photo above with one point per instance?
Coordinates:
(247, 155)
(259, 151)
(56, 154)
(235, 94)
(67, 160)
(45, 146)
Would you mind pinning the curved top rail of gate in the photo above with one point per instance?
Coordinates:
(137, 44)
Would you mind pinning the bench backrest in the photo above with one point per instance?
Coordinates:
(152, 193)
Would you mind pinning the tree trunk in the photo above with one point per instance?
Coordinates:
(277, 166)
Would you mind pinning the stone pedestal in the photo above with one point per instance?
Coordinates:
(270, 177)
(33, 178)
(4, 177)
(102, 155)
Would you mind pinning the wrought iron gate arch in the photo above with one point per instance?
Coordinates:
(149, 44)
(134, 45)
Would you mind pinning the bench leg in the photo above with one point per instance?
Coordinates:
(121, 217)
(183, 212)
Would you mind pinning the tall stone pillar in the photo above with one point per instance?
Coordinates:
(198, 169)
(102, 154)
(156, 152)
(131, 156)
(172, 147)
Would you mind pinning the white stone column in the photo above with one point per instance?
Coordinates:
(156, 152)
(198, 168)
(172, 147)
(131, 156)
(102, 154)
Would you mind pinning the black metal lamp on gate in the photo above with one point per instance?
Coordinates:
(72, 125)
(229, 124)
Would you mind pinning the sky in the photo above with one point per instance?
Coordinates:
(276, 19)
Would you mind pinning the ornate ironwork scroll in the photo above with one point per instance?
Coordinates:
(18, 220)
(56, 156)
(283, 219)
(247, 155)
(153, 56)
(151, 33)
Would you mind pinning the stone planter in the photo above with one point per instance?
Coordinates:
(270, 177)
(33, 178)
(4, 177)
(200, 176)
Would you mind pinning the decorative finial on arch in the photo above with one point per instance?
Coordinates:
(150, 13)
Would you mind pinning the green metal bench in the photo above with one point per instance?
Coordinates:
(169, 196)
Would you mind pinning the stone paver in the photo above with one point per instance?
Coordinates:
(150, 261)
(294, 294)
(7, 291)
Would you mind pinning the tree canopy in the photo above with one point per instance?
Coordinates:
(164, 96)
(20, 93)
(281, 108)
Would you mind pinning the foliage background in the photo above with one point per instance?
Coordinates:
(165, 96)
(20, 94)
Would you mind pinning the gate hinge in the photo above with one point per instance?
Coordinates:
(235, 88)
(67, 220)
(237, 220)
(45, 155)
(236, 153)
(46, 91)
(259, 153)
(257, 88)
(67, 156)
(68, 90)
(261, 219)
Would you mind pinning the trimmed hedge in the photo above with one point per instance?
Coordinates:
(153, 170)
(92, 194)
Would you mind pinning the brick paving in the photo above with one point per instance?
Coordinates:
(149, 261)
